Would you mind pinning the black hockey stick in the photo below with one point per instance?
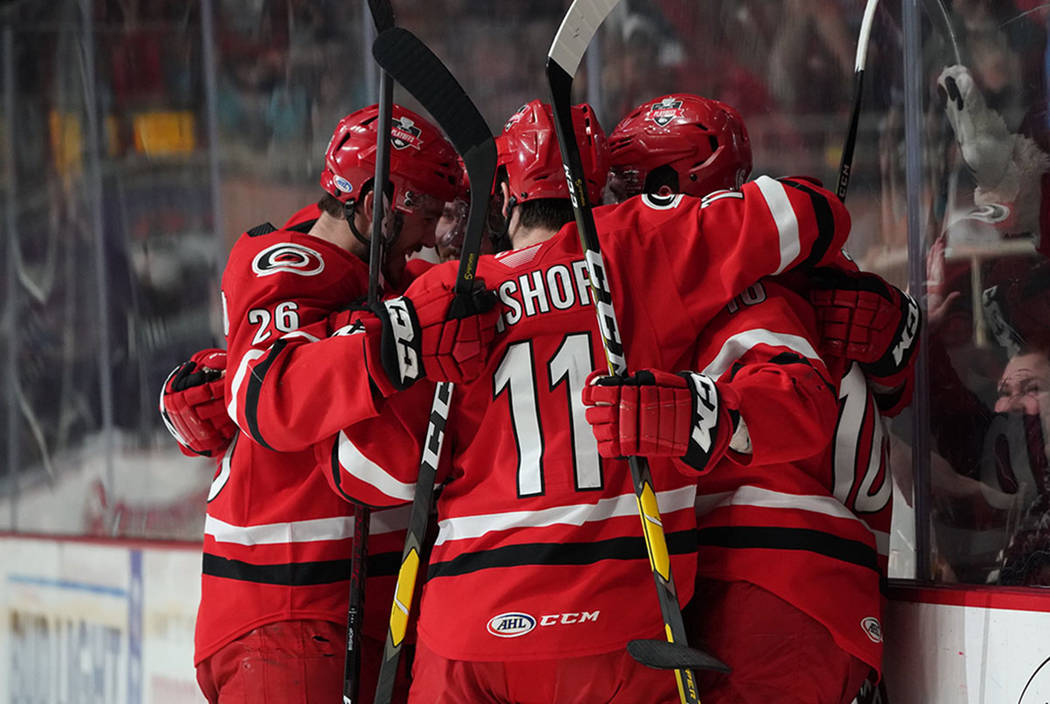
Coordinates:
(383, 16)
(414, 66)
(846, 165)
(571, 41)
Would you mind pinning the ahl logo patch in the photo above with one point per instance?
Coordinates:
(666, 110)
(510, 625)
(404, 133)
(285, 256)
(872, 628)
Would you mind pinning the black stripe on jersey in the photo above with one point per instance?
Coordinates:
(785, 358)
(825, 221)
(337, 475)
(298, 574)
(251, 396)
(679, 543)
(264, 229)
(777, 538)
(303, 226)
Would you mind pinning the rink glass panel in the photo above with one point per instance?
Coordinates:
(141, 139)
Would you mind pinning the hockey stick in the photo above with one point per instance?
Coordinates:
(571, 41)
(383, 16)
(403, 56)
(846, 165)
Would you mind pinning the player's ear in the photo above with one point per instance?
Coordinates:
(505, 189)
(367, 204)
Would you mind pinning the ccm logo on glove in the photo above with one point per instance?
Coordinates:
(403, 326)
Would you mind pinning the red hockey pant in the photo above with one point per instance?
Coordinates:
(777, 653)
(290, 662)
(608, 678)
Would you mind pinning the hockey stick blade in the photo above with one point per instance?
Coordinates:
(382, 14)
(578, 27)
(661, 655)
(401, 54)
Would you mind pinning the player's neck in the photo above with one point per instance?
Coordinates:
(335, 230)
(526, 237)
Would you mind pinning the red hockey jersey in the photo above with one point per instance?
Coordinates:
(277, 541)
(538, 553)
(804, 518)
(304, 390)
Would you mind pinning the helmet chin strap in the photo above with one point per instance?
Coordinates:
(395, 220)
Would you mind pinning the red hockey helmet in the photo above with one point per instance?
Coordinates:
(703, 140)
(528, 149)
(422, 162)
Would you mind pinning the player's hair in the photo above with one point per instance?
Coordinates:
(548, 213)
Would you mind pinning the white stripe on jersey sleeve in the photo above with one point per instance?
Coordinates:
(766, 498)
(335, 528)
(238, 380)
(736, 346)
(360, 467)
(467, 527)
(784, 217)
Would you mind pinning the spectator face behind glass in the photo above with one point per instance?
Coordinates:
(1025, 384)
(1025, 389)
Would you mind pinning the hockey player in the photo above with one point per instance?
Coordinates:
(793, 529)
(272, 618)
(538, 576)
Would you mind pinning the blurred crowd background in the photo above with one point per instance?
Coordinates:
(141, 137)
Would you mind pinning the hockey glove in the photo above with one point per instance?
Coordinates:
(1006, 166)
(865, 319)
(193, 404)
(430, 332)
(657, 414)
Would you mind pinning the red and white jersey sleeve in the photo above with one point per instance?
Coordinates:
(377, 460)
(674, 262)
(762, 354)
(807, 515)
(287, 386)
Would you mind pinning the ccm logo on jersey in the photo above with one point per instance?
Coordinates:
(404, 332)
(285, 256)
(515, 623)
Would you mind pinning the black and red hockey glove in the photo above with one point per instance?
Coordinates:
(867, 320)
(193, 404)
(430, 332)
(658, 414)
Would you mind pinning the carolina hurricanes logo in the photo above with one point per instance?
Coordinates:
(991, 213)
(666, 110)
(404, 133)
(292, 258)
